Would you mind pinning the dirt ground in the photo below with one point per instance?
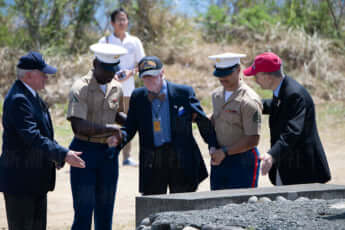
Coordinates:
(60, 211)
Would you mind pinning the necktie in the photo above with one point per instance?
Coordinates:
(151, 96)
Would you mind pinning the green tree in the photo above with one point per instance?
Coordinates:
(84, 17)
(63, 24)
(215, 22)
(255, 18)
(337, 11)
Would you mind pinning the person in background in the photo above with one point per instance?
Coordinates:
(296, 155)
(237, 121)
(128, 63)
(30, 155)
(95, 104)
(162, 112)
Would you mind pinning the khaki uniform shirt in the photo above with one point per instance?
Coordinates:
(240, 115)
(88, 101)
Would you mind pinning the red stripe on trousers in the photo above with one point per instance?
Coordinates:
(255, 167)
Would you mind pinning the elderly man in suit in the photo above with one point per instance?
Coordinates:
(162, 112)
(296, 155)
(29, 153)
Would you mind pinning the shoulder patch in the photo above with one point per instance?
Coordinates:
(257, 117)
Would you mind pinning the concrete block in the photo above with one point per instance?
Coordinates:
(147, 205)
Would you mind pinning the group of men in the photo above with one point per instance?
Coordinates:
(104, 118)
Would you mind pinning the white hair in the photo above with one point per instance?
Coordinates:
(21, 72)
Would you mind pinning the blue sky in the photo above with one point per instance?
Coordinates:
(184, 7)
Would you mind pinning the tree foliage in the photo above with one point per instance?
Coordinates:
(62, 24)
(70, 26)
(325, 17)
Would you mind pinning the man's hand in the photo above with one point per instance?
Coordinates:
(217, 157)
(266, 163)
(74, 160)
(113, 141)
(125, 75)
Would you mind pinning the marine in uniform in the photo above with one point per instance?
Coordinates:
(237, 121)
(128, 64)
(95, 105)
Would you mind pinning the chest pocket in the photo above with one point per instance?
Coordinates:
(231, 115)
(113, 103)
(113, 100)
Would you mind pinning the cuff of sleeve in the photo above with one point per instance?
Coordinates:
(275, 152)
(62, 154)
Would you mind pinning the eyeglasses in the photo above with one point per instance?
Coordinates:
(121, 20)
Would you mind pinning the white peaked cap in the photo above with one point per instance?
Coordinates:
(227, 60)
(108, 53)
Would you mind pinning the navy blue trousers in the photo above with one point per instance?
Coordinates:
(94, 187)
(237, 171)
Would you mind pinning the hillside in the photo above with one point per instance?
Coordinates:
(311, 60)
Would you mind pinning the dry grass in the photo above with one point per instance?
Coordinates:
(307, 58)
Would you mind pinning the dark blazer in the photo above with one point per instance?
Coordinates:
(139, 119)
(29, 152)
(295, 142)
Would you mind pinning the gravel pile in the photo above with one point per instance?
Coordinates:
(256, 214)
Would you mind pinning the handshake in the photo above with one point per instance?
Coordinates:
(116, 138)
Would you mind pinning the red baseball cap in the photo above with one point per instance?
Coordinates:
(265, 62)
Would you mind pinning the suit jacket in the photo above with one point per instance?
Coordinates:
(139, 118)
(295, 143)
(29, 152)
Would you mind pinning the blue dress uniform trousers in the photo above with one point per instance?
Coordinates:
(94, 187)
(237, 171)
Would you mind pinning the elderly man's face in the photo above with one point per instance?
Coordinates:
(264, 80)
(153, 83)
(36, 79)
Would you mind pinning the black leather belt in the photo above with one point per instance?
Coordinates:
(163, 147)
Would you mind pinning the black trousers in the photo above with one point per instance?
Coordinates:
(26, 212)
(167, 173)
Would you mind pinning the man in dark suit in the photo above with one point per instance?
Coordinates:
(162, 112)
(29, 153)
(296, 155)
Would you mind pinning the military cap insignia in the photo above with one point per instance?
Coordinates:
(117, 56)
(147, 65)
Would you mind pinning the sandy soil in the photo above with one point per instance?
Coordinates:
(60, 211)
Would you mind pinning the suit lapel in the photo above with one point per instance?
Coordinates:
(172, 107)
(280, 98)
(39, 113)
(146, 116)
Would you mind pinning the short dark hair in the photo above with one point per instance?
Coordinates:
(116, 12)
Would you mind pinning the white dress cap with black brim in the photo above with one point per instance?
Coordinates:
(108, 55)
(226, 63)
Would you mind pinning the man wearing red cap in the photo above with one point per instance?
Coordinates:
(296, 155)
